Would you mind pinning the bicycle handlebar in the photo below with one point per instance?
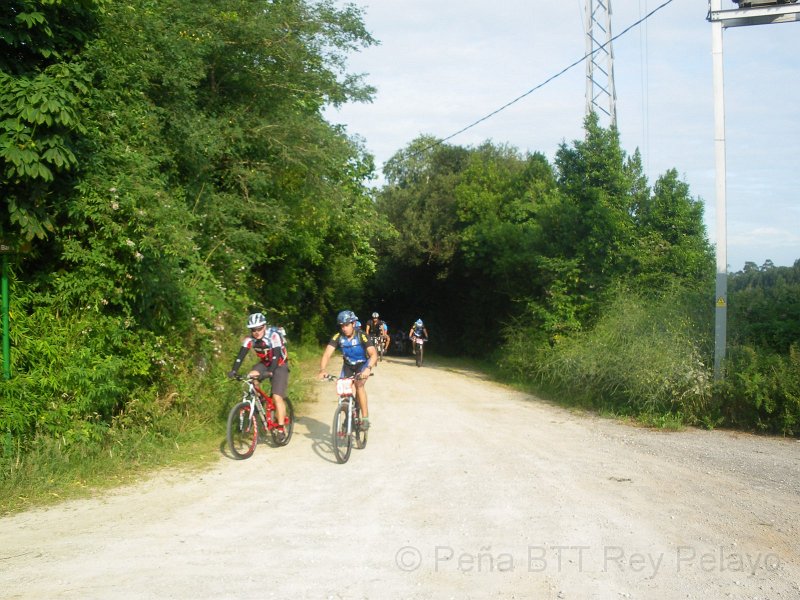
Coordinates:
(329, 377)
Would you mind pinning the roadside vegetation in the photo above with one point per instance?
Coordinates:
(166, 168)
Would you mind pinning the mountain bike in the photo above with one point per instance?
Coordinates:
(377, 341)
(255, 416)
(346, 420)
(418, 353)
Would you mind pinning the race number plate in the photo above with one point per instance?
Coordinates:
(344, 387)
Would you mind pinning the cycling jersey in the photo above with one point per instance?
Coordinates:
(375, 328)
(270, 350)
(354, 350)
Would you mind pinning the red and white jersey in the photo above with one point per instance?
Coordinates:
(268, 348)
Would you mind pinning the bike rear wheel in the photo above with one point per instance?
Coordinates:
(288, 426)
(242, 431)
(342, 442)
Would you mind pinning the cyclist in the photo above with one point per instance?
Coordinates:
(399, 341)
(269, 345)
(418, 330)
(376, 329)
(359, 357)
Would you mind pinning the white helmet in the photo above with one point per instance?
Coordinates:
(256, 320)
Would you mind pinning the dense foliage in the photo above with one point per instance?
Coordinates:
(527, 244)
(580, 277)
(762, 388)
(169, 166)
(165, 167)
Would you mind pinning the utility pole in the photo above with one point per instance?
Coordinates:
(754, 12)
(601, 95)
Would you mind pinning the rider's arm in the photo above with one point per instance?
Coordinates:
(372, 359)
(239, 358)
(326, 356)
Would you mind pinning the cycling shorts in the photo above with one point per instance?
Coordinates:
(280, 377)
(349, 370)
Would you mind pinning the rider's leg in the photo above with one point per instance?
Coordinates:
(280, 381)
(361, 396)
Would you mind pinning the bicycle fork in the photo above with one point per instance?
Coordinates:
(260, 414)
(349, 400)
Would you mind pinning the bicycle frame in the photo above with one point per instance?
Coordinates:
(264, 409)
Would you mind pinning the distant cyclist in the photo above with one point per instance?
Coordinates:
(418, 330)
(359, 358)
(270, 347)
(376, 329)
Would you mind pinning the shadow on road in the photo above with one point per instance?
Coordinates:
(320, 435)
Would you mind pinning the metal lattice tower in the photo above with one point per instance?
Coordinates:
(601, 95)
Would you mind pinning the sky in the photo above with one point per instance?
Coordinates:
(441, 65)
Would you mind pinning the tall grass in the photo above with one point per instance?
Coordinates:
(644, 357)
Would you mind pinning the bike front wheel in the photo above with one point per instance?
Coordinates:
(288, 426)
(242, 430)
(418, 354)
(342, 441)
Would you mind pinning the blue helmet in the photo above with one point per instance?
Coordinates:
(418, 323)
(346, 316)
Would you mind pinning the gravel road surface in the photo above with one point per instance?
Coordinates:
(466, 489)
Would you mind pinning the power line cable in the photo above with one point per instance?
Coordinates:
(544, 83)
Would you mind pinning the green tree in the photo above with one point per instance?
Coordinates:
(673, 241)
(42, 86)
(202, 181)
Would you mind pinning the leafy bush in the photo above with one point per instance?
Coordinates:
(72, 374)
(761, 390)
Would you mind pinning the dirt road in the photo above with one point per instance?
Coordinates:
(466, 489)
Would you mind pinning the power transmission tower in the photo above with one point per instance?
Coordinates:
(601, 95)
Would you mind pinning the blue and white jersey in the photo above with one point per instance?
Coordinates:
(354, 349)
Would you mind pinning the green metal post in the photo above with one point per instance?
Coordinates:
(6, 337)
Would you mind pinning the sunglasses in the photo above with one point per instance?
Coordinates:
(257, 329)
